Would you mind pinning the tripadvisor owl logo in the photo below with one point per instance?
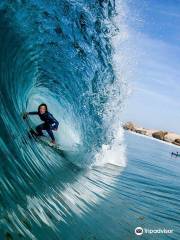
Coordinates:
(138, 231)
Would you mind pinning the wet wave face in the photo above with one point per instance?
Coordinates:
(61, 53)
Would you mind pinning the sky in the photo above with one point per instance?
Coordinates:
(155, 98)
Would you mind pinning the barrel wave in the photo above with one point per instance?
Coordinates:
(60, 53)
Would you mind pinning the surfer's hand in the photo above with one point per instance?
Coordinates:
(25, 115)
(55, 129)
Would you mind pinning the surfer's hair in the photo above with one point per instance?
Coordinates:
(44, 105)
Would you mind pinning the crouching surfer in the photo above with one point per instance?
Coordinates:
(50, 123)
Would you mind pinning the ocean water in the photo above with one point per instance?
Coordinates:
(73, 56)
(104, 202)
(62, 53)
(149, 188)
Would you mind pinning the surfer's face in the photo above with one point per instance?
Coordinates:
(42, 109)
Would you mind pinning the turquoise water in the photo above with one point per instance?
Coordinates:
(146, 194)
(149, 189)
(59, 52)
(105, 202)
(64, 53)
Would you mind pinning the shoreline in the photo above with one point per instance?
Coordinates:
(166, 137)
(152, 138)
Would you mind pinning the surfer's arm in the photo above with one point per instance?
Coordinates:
(29, 113)
(32, 113)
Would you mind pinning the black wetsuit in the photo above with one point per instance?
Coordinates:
(50, 123)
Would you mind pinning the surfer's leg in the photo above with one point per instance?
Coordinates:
(46, 127)
(39, 129)
(50, 132)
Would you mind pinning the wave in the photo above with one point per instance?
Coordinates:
(61, 53)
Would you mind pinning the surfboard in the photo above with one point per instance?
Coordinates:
(45, 140)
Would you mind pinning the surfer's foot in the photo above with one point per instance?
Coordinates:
(53, 141)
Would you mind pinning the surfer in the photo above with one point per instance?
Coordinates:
(50, 123)
(175, 154)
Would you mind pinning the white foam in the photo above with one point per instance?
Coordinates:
(122, 62)
(115, 153)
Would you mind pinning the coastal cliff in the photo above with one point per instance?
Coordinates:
(158, 134)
